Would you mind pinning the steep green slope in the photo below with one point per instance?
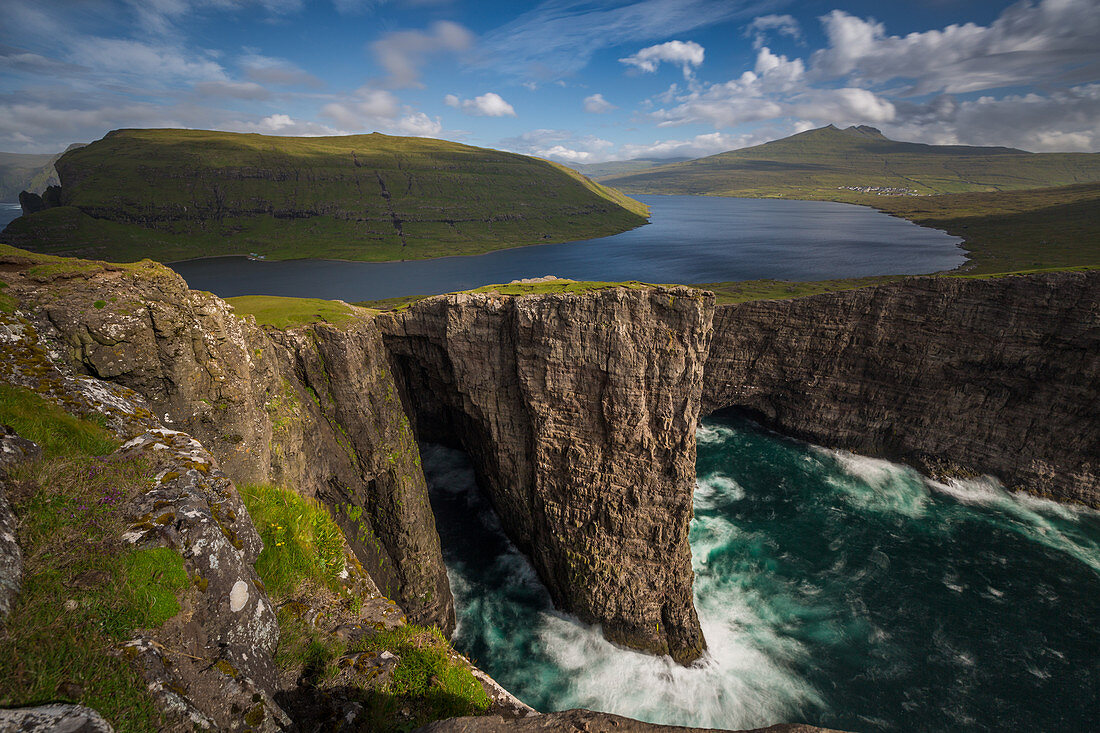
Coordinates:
(173, 194)
(831, 163)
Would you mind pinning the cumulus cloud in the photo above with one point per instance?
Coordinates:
(489, 104)
(283, 124)
(561, 145)
(784, 25)
(1027, 44)
(366, 108)
(403, 53)
(597, 105)
(685, 54)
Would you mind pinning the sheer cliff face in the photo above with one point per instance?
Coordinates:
(997, 376)
(579, 412)
(313, 409)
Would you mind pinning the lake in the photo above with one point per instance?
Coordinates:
(692, 239)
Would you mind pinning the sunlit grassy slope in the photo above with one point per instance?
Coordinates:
(820, 163)
(175, 194)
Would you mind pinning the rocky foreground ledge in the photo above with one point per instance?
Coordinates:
(578, 408)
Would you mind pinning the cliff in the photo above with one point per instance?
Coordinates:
(953, 375)
(579, 412)
(315, 409)
(178, 194)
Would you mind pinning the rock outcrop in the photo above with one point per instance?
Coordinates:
(953, 375)
(315, 410)
(579, 412)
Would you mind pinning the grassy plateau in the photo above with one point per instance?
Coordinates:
(177, 194)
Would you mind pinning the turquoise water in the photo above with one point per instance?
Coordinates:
(833, 589)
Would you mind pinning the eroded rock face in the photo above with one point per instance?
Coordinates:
(579, 412)
(954, 375)
(315, 410)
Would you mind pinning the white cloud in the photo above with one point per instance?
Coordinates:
(696, 147)
(1027, 44)
(561, 145)
(559, 37)
(152, 64)
(784, 25)
(402, 53)
(366, 109)
(267, 70)
(232, 89)
(686, 54)
(597, 105)
(489, 104)
(283, 124)
(419, 125)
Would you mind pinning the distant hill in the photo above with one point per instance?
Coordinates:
(27, 172)
(834, 163)
(175, 194)
(622, 167)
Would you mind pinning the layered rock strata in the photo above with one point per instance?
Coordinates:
(954, 375)
(579, 412)
(315, 410)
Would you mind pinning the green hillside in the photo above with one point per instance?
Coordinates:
(175, 194)
(831, 163)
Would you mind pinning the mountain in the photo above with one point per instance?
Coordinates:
(175, 194)
(832, 163)
(622, 167)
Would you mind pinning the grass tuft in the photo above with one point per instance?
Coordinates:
(83, 591)
(301, 541)
(56, 431)
(283, 313)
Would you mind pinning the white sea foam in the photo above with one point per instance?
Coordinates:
(878, 485)
(715, 490)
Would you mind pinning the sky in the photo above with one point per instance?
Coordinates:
(578, 81)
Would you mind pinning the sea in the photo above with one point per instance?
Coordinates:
(833, 589)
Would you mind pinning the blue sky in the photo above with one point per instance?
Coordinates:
(576, 81)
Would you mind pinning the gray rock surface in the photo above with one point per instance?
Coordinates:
(315, 410)
(963, 376)
(579, 412)
(53, 719)
(13, 450)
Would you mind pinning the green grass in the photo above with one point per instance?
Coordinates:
(283, 313)
(56, 431)
(559, 286)
(301, 541)
(426, 682)
(177, 194)
(83, 592)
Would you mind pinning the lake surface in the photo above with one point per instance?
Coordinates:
(9, 212)
(692, 239)
(833, 589)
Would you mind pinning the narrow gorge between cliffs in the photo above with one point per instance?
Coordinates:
(843, 591)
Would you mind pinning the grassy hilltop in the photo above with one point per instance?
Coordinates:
(823, 163)
(175, 194)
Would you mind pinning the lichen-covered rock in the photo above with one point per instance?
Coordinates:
(53, 719)
(315, 410)
(226, 621)
(579, 412)
(13, 450)
(11, 557)
(954, 375)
